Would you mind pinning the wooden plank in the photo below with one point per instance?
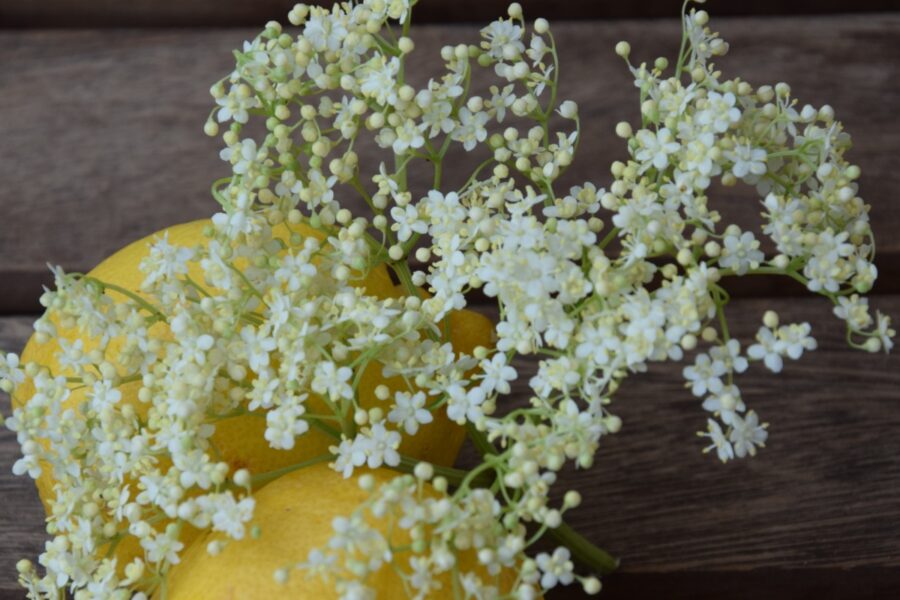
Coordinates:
(813, 515)
(102, 140)
(22, 516)
(210, 13)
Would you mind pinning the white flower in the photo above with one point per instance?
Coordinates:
(719, 442)
(407, 222)
(747, 160)
(345, 457)
(379, 80)
(10, 373)
(855, 310)
(320, 191)
(502, 100)
(885, 332)
(284, 424)
(471, 129)
(787, 340)
(72, 356)
(729, 354)
(465, 405)
(356, 590)
(324, 32)
(162, 546)
(655, 148)
(245, 156)
(496, 374)
(258, 346)
(741, 253)
(705, 375)
(30, 461)
(421, 578)
(380, 446)
(768, 350)
(795, 339)
(537, 49)
(504, 40)
(165, 261)
(103, 396)
(195, 469)
(409, 135)
(747, 434)
(410, 411)
(436, 114)
(556, 568)
(720, 113)
(234, 106)
(727, 403)
(230, 515)
(332, 381)
(393, 9)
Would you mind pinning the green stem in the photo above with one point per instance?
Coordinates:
(597, 559)
(131, 295)
(405, 277)
(454, 477)
(264, 478)
(482, 444)
(438, 165)
(475, 173)
(681, 51)
(249, 284)
(330, 431)
(720, 311)
(770, 271)
(609, 238)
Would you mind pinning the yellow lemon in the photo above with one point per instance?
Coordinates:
(294, 514)
(240, 440)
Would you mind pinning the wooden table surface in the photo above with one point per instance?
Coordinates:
(101, 143)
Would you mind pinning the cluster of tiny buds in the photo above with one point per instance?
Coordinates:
(296, 297)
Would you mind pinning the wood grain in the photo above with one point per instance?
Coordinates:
(102, 140)
(212, 13)
(21, 516)
(814, 515)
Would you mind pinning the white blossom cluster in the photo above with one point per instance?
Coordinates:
(596, 282)
(457, 538)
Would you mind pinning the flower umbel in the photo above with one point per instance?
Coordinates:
(287, 309)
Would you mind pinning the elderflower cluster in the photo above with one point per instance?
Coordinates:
(278, 313)
(458, 534)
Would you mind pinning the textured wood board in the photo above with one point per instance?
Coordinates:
(21, 514)
(102, 142)
(814, 515)
(211, 13)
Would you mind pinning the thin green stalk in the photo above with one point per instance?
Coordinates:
(131, 295)
(405, 277)
(479, 439)
(454, 477)
(681, 51)
(583, 551)
(609, 238)
(264, 478)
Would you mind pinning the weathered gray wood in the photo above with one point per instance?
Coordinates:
(209, 13)
(21, 514)
(102, 138)
(815, 514)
